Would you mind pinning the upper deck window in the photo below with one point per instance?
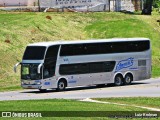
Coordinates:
(34, 53)
(104, 48)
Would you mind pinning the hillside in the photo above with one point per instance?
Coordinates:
(19, 29)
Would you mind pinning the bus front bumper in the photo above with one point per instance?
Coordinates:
(31, 86)
(39, 84)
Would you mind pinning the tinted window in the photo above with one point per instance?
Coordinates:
(96, 67)
(69, 69)
(29, 71)
(34, 53)
(52, 52)
(67, 50)
(104, 48)
(83, 68)
(93, 48)
(49, 69)
(109, 66)
(50, 61)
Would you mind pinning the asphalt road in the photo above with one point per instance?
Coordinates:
(146, 88)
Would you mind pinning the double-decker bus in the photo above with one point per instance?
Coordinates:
(58, 65)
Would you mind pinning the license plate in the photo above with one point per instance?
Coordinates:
(29, 86)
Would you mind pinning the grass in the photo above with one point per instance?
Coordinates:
(141, 101)
(20, 29)
(60, 105)
(64, 105)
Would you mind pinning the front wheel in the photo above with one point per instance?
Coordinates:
(61, 85)
(118, 80)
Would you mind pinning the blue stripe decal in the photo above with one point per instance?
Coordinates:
(47, 83)
(73, 81)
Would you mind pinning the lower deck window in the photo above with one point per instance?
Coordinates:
(84, 68)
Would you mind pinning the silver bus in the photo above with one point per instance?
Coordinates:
(57, 65)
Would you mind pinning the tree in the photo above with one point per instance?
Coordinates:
(147, 10)
(156, 3)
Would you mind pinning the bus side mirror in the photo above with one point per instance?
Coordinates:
(15, 67)
(39, 68)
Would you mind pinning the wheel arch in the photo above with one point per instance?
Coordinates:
(118, 73)
(63, 79)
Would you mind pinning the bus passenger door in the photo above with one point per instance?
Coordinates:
(96, 78)
(95, 75)
(79, 80)
(85, 77)
(106, 77)
(103, 71)
(107, 74)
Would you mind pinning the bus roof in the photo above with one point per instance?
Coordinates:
(47, 44)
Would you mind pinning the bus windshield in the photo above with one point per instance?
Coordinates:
(29, 72)
(34, 53)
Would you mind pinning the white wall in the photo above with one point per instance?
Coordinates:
(16, 2)
(67, 3)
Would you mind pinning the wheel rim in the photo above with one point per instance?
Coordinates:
(61, 85)
(118, 80)
(128, 79)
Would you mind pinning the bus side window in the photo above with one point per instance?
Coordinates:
(67, 50)
(109, 66)
(52, 52)
(96, 67)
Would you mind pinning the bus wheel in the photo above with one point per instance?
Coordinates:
(61, 85)
(118, 80)
(128, 79)
(42, 90)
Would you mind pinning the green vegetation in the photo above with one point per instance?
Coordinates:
(17, 30)
(141, 101)
(156, 3)
(61, 105)
(71, 105)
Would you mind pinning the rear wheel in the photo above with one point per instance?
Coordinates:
(128, 79)
(61, 85)
(118, 80)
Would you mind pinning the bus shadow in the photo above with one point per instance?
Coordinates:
(83, 88)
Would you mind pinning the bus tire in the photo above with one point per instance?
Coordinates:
(118, 80)
(42, 90)
(61, 85)
(128, 79)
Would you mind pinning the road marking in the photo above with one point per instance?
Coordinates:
(96, 101)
